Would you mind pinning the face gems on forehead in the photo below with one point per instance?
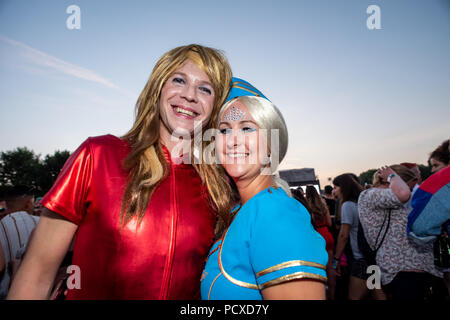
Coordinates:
(235, 114)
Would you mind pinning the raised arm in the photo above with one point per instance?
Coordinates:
(51, 240)
(397, 185)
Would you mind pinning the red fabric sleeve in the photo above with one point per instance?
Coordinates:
(436, 181)
(67, 197)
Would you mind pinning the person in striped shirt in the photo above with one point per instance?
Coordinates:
(15, 230)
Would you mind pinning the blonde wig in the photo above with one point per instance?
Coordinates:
(145, 163)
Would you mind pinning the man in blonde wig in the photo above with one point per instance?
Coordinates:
(144, 220)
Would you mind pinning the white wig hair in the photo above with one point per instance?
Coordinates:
(283, 184)
(267, 116)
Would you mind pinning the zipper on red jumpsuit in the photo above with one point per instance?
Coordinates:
(173, 230)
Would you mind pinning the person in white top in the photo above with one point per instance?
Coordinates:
(15, 230)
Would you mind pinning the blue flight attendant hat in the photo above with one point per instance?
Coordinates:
(241, 88)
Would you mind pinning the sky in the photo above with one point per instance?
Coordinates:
(353, 97)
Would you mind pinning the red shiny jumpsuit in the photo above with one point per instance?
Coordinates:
(163, 257)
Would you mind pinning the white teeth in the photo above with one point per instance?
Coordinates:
(237, 155)
(183, 111)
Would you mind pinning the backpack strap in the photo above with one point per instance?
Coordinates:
(388, 217)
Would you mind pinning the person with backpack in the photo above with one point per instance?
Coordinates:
(406, 269)
(347, 189)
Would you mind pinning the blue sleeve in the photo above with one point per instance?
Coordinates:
(429, 213)
(284, 245)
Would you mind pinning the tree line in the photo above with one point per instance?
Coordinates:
(23, 166)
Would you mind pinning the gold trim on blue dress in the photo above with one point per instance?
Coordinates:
(284, 265)
(288, 264)
(293, 276)
(230, 278)
(212, 284)
(285, 278)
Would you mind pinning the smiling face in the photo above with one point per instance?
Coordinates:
(238, 143)
(186, 97)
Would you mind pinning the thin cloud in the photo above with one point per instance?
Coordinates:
(45, 60)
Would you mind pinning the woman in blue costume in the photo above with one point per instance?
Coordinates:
(270, 249)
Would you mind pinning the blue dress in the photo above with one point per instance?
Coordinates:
(270, 241)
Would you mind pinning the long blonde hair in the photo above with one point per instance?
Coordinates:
(145, 163)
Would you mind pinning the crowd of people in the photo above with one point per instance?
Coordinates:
(139, 220)
(407, 268)
(380, 216)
